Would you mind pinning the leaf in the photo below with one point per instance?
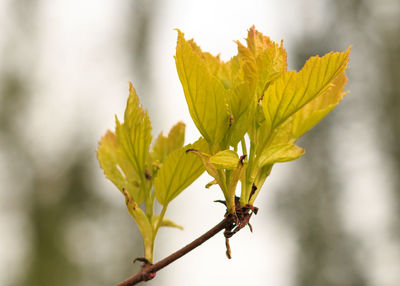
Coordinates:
(230, 72)
(262, 60)
(307, 96)
(165, 222)
(165, 145)
(218, 166)
(143, 224)
(117, 168)
(312, 113)
(210, 168)
(133, 136)
(108, 157)
(242, 103)
(232, 184)
(204, 92)
(226, 159)
(179, 170)
(280, 153)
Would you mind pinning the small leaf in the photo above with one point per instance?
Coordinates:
(242, 103)
(262, 60)
(218, 166)
(165, 222)
(226, 159)
(280, 153)
(108, 157)
(163, 146)
(117, 168)
(210, 168)
(179, 170)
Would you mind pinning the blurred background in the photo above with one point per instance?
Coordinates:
(330, 218)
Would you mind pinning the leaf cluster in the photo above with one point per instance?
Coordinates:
(253, 100)
(142, 173)
(249, 111)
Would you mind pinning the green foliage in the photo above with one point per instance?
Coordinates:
(179, 171)
(249, 100)
(141, 173)
(254, 94)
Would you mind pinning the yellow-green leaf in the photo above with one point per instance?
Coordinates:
(204, 92)
(262, 60)
(280, 153)
(133, 136)
(218, 166)
(211, 169)
(108, 157)
(312, 113)
(226, 159)
(165, 145)
(242, 103)
(178, 171)
(308, 95)
(118, 168)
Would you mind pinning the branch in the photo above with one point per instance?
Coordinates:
(148, 271)
(232, 223)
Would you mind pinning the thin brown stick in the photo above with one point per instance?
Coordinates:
(149, 271)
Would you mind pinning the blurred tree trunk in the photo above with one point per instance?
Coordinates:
(309, 205)
(309, 201)
(388, 50)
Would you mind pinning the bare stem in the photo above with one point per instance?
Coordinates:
(148, 271)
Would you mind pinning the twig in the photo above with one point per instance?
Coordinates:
(149, 271)
(232, 223)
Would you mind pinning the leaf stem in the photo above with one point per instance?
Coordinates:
(244, 147)
(162, 214)
(244, 196)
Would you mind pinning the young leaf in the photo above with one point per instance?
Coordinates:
(216, 165)
(242, 103)
(133, 136)
(108, 156)
(308, 95)
(118, 168)
(204, 92)
(211, 169)
(280, 153)
(226, 159)
(262, 60)
(178, 171)
(165, 145)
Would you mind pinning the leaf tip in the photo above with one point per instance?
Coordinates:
(181, 35)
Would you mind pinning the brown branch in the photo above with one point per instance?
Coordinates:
(232, 223)
(148, 271)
